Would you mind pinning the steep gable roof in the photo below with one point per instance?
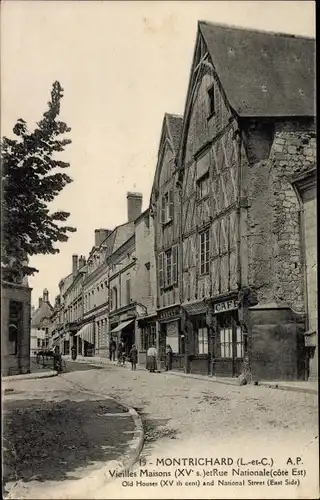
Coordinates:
(262, 73)
(174, 123)
(44, 312)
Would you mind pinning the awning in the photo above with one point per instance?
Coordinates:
(195, 307)
(86, 333)
(121, 326)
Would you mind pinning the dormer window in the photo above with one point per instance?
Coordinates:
(211, 97)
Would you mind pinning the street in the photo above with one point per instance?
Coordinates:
(183, 417)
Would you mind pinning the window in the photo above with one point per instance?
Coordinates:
(203, 187)
(148, 279)
(226, 342)
(202, 340)
(15, 325)
(39, 343)
(211, 96)
(114, 304)
(240, 343)
(204, 252)
(167, 207)
(168, 267)
(148, 336)
(128, 292)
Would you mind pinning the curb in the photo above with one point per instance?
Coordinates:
(306, 390)
(30, 376)
(270, 385)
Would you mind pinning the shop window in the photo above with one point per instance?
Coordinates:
(202, 341)
(148, 336)
(204, 252)
(226, 340)
(240, 343)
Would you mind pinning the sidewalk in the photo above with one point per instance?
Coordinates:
(296, 386)
(45, 455)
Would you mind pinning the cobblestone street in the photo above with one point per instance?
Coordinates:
(188, 418)
(191, 418)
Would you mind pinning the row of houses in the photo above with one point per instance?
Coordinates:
(222, 264)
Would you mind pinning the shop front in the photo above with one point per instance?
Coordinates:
(146, 336)
(85, 340)
(170, 334)
(197, 332)
(229, 339)
(123, 332)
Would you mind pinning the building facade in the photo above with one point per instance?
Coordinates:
(145, 286)
(241, 254)
(41, 325)
(15, 328)
(165, 205)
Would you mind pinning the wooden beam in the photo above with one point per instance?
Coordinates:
(202, 60)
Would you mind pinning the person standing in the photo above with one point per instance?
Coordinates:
(168, 357)
(133, 355)
(120, 353)
(112, 350)
(152, 359)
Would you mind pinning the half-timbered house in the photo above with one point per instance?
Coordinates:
(248, 131)
(166, 212)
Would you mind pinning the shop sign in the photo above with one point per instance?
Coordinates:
(227, 305)
(168, 314)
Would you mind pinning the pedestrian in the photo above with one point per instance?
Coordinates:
(120, 353)
(133, 355)
(152, 359)
(112, 350)
(168, 357)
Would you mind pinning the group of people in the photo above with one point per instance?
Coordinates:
(152, 356)
(122, 355)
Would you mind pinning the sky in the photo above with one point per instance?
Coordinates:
(122, 65)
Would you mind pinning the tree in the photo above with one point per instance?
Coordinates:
(31, 179)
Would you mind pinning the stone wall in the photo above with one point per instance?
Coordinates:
(275, 254)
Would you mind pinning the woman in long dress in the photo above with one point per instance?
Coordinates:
(152, 359)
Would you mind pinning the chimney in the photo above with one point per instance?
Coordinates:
(40, 301)
(74, 264)
(82, 261)
(45, 295)
(100, 235)
(134, 205)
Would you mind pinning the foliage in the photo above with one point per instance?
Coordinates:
(30, 181)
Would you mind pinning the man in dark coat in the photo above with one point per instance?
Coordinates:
(133, 355)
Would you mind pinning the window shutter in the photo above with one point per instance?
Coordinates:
(175, 264)
(171, 205)
(160, 269)
(163, 210)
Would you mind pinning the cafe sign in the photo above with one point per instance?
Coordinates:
(227, 305)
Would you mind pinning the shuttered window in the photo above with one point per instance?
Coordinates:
(128, 291)
(167, 207)
(175, 264)
(168, 267)
(160, 270)
(204, 252)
